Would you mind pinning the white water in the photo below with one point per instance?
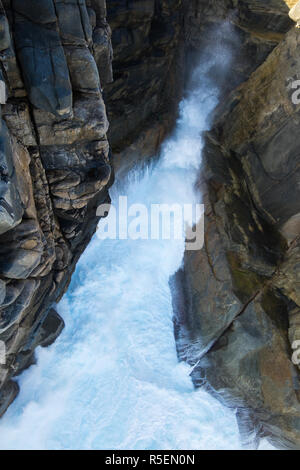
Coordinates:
(112, 379)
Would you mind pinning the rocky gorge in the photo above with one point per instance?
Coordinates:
(72, 66)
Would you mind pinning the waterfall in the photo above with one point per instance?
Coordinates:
(112, 380)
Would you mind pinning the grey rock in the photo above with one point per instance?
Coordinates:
(7, 395)
(2, 291)
(83, 70)
(74, 22)
(37, 11)
(249, 180)
(50, 329)
(11, 210)
(250, 368)
(44, 66)
(17, 301)
(54, 165)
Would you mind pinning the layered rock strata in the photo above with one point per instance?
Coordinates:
(56, 58)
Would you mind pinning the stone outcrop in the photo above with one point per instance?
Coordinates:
(56, 63)
(255, 29)
(237, 310)
(148, 44)
(56, 57)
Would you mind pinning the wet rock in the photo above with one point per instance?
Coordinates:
(254, 368)
(74, 22)
(19, 295)
(43, 63)
(208, 297)
(11, 210)
(7, 395)
(50, 329)
(54, 164)
(148, 73)
(248, 178)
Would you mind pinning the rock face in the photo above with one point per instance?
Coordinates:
(148, 44)
(237, 312)
(56, 64)
(256, 28)
(237, 302)
(56, 57)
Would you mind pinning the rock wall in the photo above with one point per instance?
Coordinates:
(55, 58)
(256, 28)
(56, 167)
(148, 44)
(237, 304)
(237, 308)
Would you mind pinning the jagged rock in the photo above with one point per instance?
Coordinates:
(43, 335)
(42, 58)
(7, 395)
(250, 168)
(238, 293)
(19, 295)
(83, 70)
(208, 303)
(11, 210)
(251, 364)
(18, 120)
(50, 329)
(88, 123)
(4, 31)
(147, 41)
(103, 53)
(2, 291)
(55, 165)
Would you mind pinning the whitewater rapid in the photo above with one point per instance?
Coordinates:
(112, 379)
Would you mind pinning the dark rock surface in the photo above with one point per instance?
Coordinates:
(237, 306)
(56, 62)
(148, 44)
(56, 57)
(237, 309)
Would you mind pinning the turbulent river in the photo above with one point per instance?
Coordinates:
(112, 380)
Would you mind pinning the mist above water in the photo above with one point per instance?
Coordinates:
(112, 380)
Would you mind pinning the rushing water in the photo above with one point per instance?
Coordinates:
(112, 379)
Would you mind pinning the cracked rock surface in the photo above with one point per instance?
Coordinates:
(56, 57)
(237, 306)
(237, 311)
